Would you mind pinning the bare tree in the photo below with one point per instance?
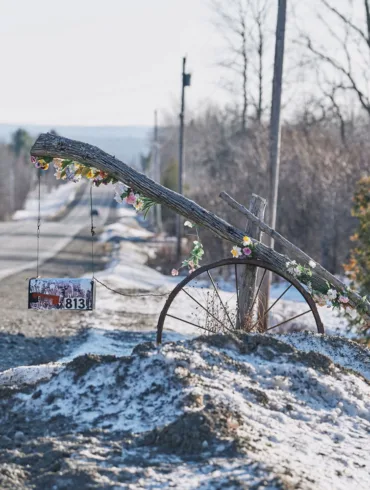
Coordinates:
(242, 24)
(345, 68)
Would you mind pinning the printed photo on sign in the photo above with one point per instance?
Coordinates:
(61, 294)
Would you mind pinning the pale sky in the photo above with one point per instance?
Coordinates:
(106, 62)
(101, 62)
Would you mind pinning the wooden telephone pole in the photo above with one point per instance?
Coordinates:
(275, 113)
(157, 173)
(274, 142)
(185, 82)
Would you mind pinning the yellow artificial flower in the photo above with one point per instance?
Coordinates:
(45, 166)
(90, 174)
(246, 241)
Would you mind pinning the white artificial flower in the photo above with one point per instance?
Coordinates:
(312, 264)
(332, 294)
(118, 198)
(296, 271)
(236, 251)
(189, 224)
(120, 188)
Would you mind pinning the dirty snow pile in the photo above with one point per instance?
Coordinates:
(214, 412)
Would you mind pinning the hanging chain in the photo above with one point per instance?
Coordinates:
(38, 220)
(92, 231)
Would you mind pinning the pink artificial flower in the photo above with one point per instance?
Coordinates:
(247, 251)
(174, 272)
(131, 198)
(343, 299)
(33, 159)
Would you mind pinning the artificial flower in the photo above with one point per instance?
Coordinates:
(90, 174)
(236, 251)
(174, 272)
(189, 224)
(191, 266)
(343, 299)
(119, 188)
(118, 198)
(332, 294)
(70, 175)
(138, 205)
(247, 251)
(312, 264)
(57, 163)
(131, 199)
(246, 241)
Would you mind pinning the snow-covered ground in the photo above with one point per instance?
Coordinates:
(282, 411)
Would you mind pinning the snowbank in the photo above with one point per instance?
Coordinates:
(255, 409)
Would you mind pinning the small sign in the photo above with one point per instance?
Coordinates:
(61, 294)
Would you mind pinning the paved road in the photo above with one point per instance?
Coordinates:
(18, 239)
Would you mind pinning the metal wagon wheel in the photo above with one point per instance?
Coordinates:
(208, 301)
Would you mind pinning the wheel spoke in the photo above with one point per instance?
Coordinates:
(205, 309)
(219, 297)
(273, 304)
(238, 311)
(289, 319)
(258, 290)
(186, 321)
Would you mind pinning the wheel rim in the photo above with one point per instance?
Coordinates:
(228, 321)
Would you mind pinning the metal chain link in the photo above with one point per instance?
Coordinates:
(38, 220)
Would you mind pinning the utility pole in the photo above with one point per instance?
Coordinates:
(185, 82)
(157, 173)
(274, 140)
(274, 136)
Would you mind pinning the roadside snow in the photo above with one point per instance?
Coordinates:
(52, 202)
(29, 374)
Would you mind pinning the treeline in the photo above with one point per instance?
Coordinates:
(318, 176)
(16, 173)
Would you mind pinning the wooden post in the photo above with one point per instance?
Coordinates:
(247, 291)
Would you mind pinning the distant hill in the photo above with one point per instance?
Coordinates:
(125, 142)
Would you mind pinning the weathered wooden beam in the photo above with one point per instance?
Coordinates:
(58, 147)
(294, 252)
(257, 206)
